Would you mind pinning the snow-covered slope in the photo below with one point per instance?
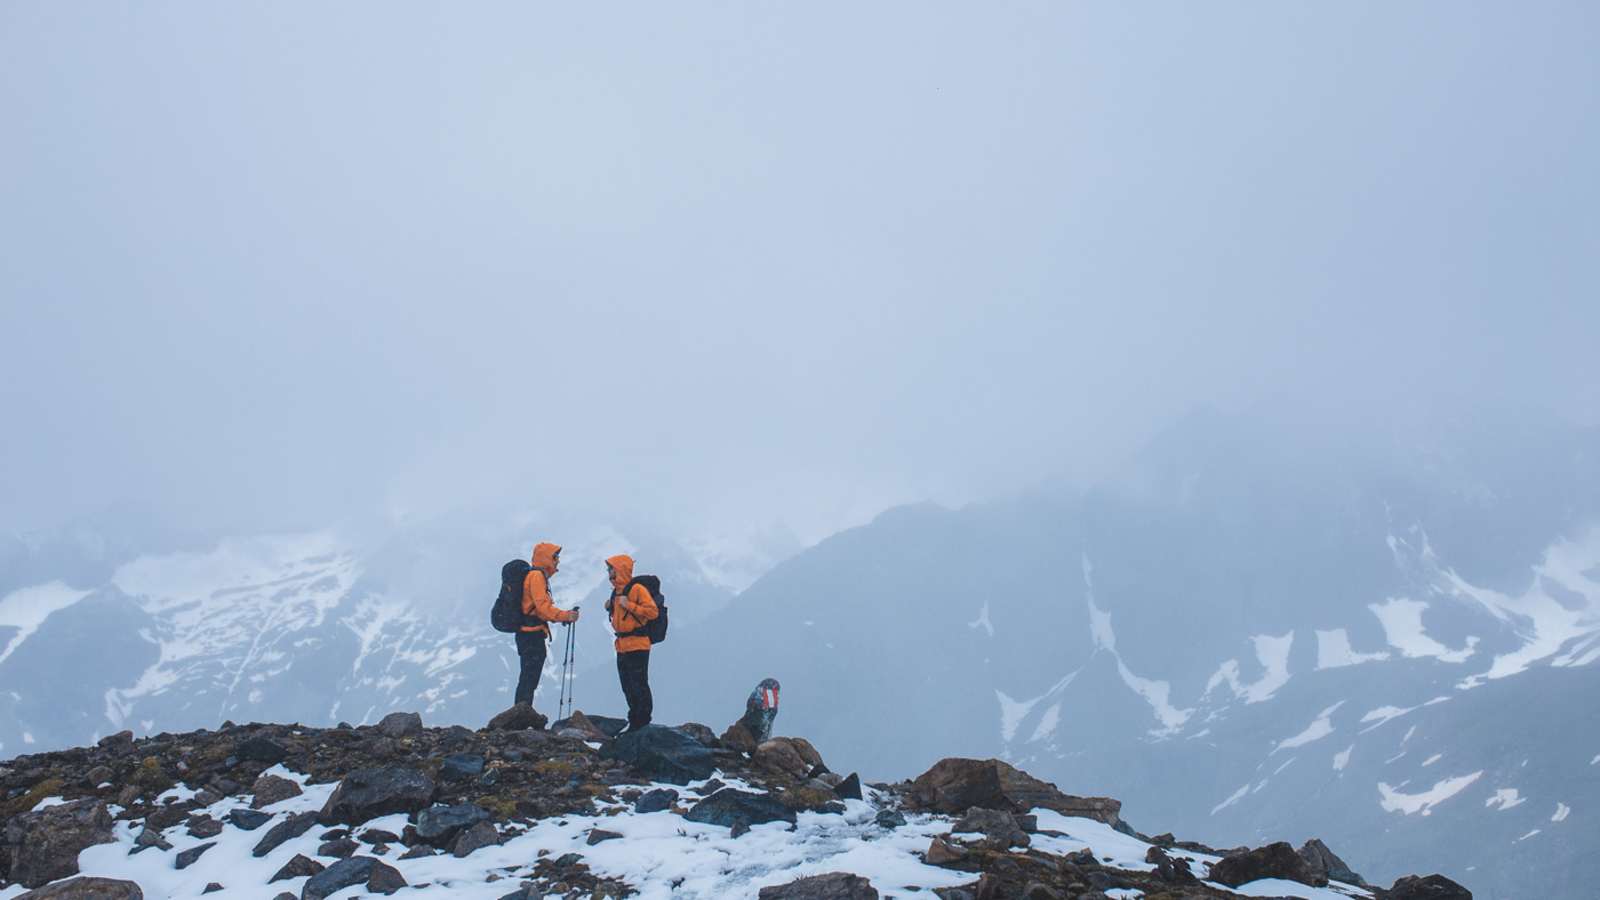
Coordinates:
(1238, 633)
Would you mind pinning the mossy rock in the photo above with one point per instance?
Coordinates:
(19, 805)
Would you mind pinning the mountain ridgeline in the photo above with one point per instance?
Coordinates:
(1244, 636)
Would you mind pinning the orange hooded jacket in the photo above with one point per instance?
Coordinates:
(644, 606)
(536, 590)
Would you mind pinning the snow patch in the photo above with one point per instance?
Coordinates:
(1342, 758)
(1334, 651)
(27, 608)
(1401, 619)
(1272, 651)
(1156, 693)
(1392, 800)
(1562, 811)
(1432, 759)
(982, 621)
(1505, 798)
(1320, 727)
(1233, 798)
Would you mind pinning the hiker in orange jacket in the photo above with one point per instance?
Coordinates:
(631, 608)
(538, 610)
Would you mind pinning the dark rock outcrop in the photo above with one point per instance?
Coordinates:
(849, 788)
(40, 846)
(87, 888)
(1277, 860)
(188, 857)
(289, 828)
(298, 867)
(439, 825)
(730, 805)
(258, 748)
(518, 718)
(369, 793)
(1431, 887)
(400, 724)
(461, 767)
(663, 753)
(832, 886)
(270, 789)
(955, 785)
(479, 835)
(377, 876)
(657, 800)
(999, 828)
(248, 819)
(1327, 863)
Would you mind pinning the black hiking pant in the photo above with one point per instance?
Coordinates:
(633, 668)
(530, 651)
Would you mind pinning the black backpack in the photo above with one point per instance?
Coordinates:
(655, 629)
(507, 613)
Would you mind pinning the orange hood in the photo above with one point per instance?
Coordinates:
(544, 556)
(621, 569)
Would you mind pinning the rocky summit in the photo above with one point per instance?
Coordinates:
(516, 811)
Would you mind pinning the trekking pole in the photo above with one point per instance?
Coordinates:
(566, 677)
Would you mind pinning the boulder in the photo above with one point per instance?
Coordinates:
(700, 733)
(480, 835)
(1277, 860)
(400, 724)
(730, 804)
(86, 888)
(188, 857)
(122, 740)
(270, 789)
(1170, 870)
(518, 718)
(579, 726)
(738, 737)
(600, 836)
(611, 725)
(889, 818)
(288, 829)
(257, 748)
(339, 848)
(248, 819)
(377, 876)
(378, 836)
(298, 867)
(439, 825)
(999, 828)
(658, 800)
(1325, 862)
(832, 886)
(943, 853)
(461, 767)
(148, 839)
(955, 785)
(849, 788)
(779, 757)
(203, 826)
(663, 753)
(40, 846)
(370, 793)
(1432, 887)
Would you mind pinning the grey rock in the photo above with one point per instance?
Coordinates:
(663, 753)
(43, 845)
(188, 857)
(87, 888)
(260, 749)
(378, 877)
(832, 886)
(1431, 887)
(850, 788)
(370, 793)
(1324, 861)
(248, 819)
(481, 834)
(400, 724)
(517, 718)
(270, 789)
(439, 825)
(1278, 860)
(600, 835)
(658, 800)
(298, 867)
(729, 804)
(461, 766)
(292, 827)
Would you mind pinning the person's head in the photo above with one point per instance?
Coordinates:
(619, 569)
(547, 558)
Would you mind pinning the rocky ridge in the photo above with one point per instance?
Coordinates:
(521, 810)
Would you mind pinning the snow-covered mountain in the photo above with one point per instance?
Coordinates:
(1238, 631)
(315, 628)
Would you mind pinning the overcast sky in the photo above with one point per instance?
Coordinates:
(274, 263)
